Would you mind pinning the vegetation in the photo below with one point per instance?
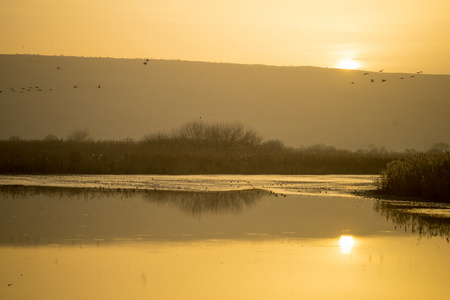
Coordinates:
(195, 148)
(425, 175)
(223, 148)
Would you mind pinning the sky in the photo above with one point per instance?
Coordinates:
(393, 35)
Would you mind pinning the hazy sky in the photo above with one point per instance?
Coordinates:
(394, 35)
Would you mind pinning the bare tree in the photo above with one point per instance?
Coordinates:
(80, 135)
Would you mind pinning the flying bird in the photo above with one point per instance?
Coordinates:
(381, 70)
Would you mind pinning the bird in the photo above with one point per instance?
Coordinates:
(366, 74)
(383, 80)
(145, 62)
(57, 68)
(420, 72)
(99, 86)
(352, 82)
(371, 80)
(74, 86)
(381, 70)
(401, 77)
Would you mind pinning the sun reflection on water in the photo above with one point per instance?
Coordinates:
(346, 242)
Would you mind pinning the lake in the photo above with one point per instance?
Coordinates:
(217, 237)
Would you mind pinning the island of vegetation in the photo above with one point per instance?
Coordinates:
(199, 147)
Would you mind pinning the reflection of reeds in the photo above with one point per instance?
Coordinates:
(206, 202)
(425, 225)
(426, 175)
(194, 203)
(34, 216)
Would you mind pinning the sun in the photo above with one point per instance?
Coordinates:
(348, 64)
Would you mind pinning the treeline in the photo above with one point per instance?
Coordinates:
(195, 148)
(425, 175)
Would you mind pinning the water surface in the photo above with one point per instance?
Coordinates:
(216, 237)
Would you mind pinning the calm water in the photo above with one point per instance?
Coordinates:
(217, 237)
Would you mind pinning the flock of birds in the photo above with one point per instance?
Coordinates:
(384, 80)
(38, 89)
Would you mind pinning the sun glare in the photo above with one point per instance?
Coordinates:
(346, 242)
(348, 64)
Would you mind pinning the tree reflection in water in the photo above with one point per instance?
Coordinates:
(425, 219)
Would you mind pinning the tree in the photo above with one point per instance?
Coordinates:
(14, 138)
(439, 147)
(80, 135)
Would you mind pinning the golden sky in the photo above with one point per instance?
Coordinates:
(394, 35)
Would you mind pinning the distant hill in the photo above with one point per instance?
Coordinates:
(301, 106)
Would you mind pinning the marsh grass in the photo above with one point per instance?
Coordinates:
(425, 175)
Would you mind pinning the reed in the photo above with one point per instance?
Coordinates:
(425, 175)
(196, 148)
(174, 156)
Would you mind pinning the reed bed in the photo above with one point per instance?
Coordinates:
(174, 156)
(196, 147)
(425, 175)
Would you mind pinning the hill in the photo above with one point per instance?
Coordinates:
(125, 98)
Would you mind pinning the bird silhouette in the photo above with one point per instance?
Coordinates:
(383, 80)
(366, 74)
(75, 87)
(371, 80)
(99, 86)
(381, 70)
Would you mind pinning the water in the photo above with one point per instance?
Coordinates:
(217, 237)
(291, 184)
